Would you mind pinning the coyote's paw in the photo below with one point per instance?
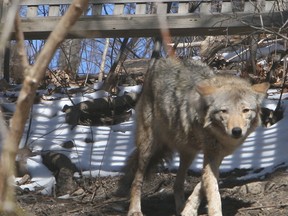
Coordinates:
(189, 212)
(135, 214)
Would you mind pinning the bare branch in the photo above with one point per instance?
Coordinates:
(20, 43)
(8, 24)
(25, 101)
(165, 33)
(102, 66)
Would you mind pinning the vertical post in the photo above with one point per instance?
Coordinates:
(140, 8)
(96, 9)
(1, 9)
(4, 9)
(162, 8)
(205, 8)
(249, 7)
(183, 8)
(6, 64)
(118, 9)
(32, 11)
(259, 8)
(54, 10)
(5, 53)
(285, 5)
(2, 52)
(227, 7)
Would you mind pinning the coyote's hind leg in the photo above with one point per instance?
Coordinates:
(145, 150)
(186, 159)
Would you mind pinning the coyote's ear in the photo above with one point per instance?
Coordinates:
(261, 87)
(205, 89)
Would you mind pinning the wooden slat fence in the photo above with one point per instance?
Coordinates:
(138, 18)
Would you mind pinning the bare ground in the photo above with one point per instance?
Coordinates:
(95, 196)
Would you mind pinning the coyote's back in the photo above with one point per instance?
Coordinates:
(185, 107)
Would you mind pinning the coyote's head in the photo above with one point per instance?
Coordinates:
(233, 107)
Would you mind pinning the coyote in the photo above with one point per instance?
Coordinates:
(186, 107)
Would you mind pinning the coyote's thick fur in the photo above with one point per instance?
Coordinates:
(185, 107)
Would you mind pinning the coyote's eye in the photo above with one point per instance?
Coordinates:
(246, 110)
(223, 111)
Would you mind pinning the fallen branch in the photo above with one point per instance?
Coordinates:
(260, 207)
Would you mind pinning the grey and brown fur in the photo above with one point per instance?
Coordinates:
(185, 107)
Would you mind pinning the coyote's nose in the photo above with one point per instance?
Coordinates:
(236, 132)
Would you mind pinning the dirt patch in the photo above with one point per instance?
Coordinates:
(95, 196)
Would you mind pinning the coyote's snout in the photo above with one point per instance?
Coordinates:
(187, 108)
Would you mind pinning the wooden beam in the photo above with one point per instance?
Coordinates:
(147, 25)
(55, 2)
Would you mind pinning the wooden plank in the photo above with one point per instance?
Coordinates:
(205, 8)
(6, 63)
(139, 1)
(249, 7)
(260, 5)
(118, 9)
(276, 6)
(54, 10)
(2, 63)
(55, 2)
(140, 8)
(96, 9)
(5, 5)
(205, 5)
(162, 8)
(226, 7)
(270, 6)
(237, 5)
(183, 8)
(145, 25)
(285, 5)
(32, 11)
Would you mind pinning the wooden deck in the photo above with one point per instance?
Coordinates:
(134, 18)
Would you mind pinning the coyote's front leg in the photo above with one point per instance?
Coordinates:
(186, 159)
(193, 202)
(210, 176)
(207, 186)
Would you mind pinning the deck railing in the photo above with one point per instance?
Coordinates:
(137, 18)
